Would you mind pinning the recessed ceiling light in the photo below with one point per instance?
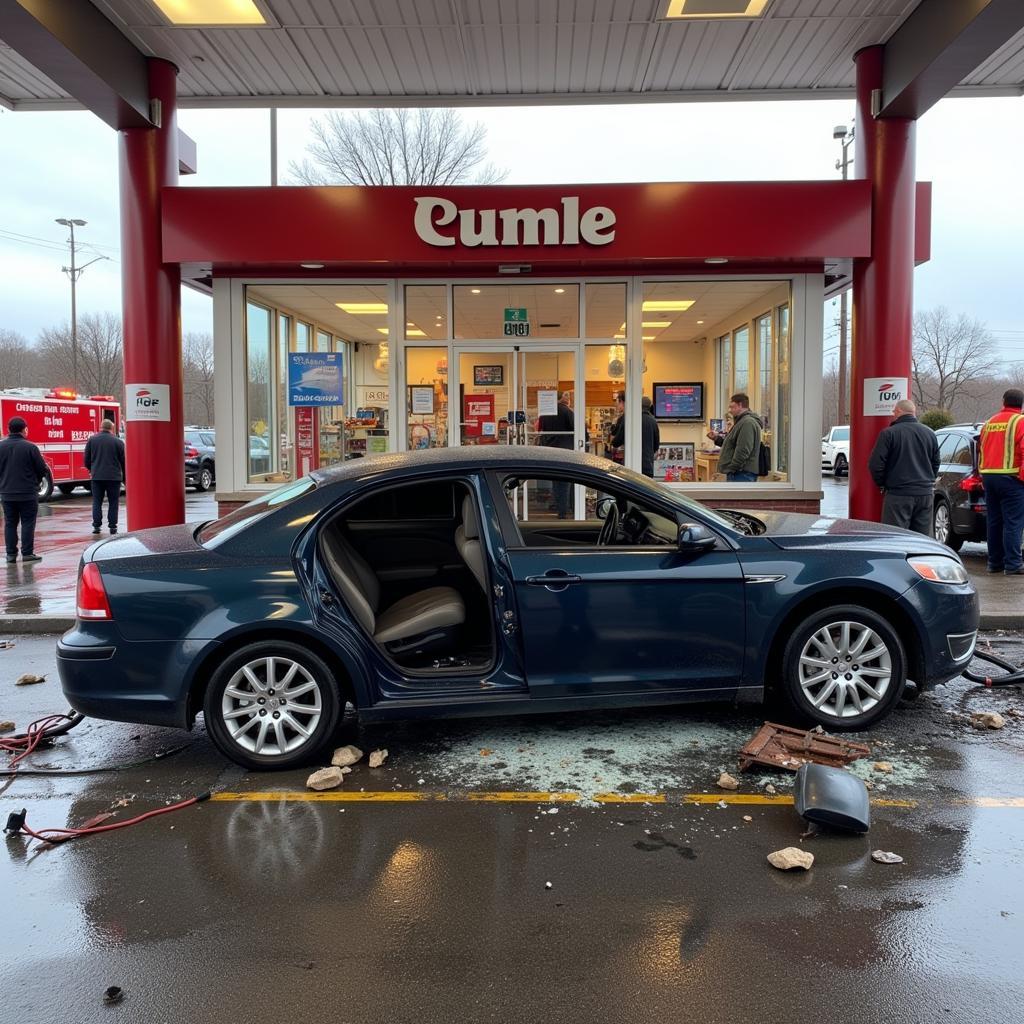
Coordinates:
(715, 8)
(648, 337)
(312, 266)
(700, 321)
(475, 291)
(656, 323)
(559, 291)
(415, 334)
(383, 330)
(362, 308)
(716, 259)
(668, 306)
(618, 335)
(211, 12)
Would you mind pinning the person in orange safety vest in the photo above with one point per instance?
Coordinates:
(1001, 463)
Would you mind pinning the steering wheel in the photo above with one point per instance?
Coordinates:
(610, 527)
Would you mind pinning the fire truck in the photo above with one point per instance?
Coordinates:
(59, 423)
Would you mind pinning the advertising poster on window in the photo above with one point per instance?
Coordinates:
(422, 400)
(478, 410)
(674, 463)
(314, 378)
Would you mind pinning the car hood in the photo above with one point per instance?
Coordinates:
(161, 540)
(795, 530)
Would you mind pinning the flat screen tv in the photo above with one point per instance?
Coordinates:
(679, 401)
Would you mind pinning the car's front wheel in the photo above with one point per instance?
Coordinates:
(843, 668)
(272, 704)
(841, 466)
(942, 527)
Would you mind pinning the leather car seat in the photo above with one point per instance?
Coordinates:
(412, 616)
(467, 540)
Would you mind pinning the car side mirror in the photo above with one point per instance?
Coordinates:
(694, 539)
(604, 506)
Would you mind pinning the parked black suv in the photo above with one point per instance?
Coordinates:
(200, 458)
(959, 513)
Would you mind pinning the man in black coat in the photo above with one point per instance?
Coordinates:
(650, 436)
(104, 458)
(558, 431)
(905, 463)
(22, 469)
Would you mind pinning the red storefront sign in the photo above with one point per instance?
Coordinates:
(478, 417)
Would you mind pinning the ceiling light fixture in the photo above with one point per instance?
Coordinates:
(312, 266)
(362, 308)
(211, 12)
(656, 323)
(667, 306)
(559, 291)
(700, 321)
(716, 259)
(708, 9)
(475, 291)
(383, 330)
(415, 333)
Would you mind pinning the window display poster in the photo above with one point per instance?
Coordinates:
(675, 463)
(423, 400)
(476, 411)
(314, 378)
(547, 403)
(488, 375)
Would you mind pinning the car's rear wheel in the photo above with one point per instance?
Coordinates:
(272, 705)
(841, 468)
(205, 479)
(942, 527)
(843, 668)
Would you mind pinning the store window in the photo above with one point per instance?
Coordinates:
(426, 312)
(741, 360)
(323, 341)
(286, 444)
(303, 334)
(605, 309)
(516, 311)
(426, 397)
(763, 400)
(260, 404)
(783, 398)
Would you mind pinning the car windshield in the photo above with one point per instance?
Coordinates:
(685, 504)
(219, 530)
(841, 434)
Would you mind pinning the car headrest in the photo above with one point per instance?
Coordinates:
(470, 524)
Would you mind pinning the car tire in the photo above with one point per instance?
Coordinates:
(305, 698)
(841, 468)
(65, 489)
(942, 527)
(843, 632)
(45, 491)
(204, 481)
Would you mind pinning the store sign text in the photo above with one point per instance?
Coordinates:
(513, 227)
(882, 393)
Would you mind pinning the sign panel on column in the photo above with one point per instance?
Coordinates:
(882, 393)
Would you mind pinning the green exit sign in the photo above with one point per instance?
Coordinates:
(517, 324)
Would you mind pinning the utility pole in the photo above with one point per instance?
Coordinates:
(74, 273)
(845, 136)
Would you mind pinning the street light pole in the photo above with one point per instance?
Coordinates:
(845, 137)
(74, 273)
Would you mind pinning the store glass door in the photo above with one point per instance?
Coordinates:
(522, 395)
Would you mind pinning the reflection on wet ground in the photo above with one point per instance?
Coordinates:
(438, 909)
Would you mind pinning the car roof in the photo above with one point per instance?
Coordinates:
(960, 426)
(465, 459)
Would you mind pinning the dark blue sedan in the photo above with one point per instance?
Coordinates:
(448, 582)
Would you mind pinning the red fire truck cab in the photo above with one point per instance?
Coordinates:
(60, 422)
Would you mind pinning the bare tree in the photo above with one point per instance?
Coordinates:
(19, 364)
(952, 357)
(198, 374)
(428, 146)
(100, 354)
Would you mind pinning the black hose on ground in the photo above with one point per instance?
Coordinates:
(1013, 676)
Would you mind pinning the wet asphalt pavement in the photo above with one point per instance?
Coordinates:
(417, 893)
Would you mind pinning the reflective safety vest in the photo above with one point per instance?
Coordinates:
(998, 447)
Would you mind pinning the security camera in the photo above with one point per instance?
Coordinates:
(839, 132)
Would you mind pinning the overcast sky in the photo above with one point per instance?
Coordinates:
(65, 165)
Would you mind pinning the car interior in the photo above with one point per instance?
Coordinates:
(409, 563)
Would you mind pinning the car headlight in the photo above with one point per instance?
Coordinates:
(938, 569)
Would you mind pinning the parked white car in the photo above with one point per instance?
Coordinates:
(835, 452)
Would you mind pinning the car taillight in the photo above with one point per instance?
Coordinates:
(92, 598)
(192, 453)
(970, 483)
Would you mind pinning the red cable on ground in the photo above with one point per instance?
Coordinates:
(24, 744)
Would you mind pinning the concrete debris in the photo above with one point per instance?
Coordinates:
(28, 678)
(345, 769)
(882, 766)
(378, 757)
(547, 885)
(7, 726)
(325, 778)
(486, 752)
(722, 805)
(747, 817)
(885, 857)
(770, 789)
(987, 720)
(1014, 713)
(345, 756)
(791, 858)
(726, 781)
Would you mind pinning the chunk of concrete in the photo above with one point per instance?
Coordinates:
(726, 781)
(885, 857)
(882, 766)
(7, 726)
(987, 720)
(344, 756)
(378, 757)
(325, 778)
(28, 678)
(790, 859)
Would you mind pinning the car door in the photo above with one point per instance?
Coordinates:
(954, 467)
(624, 619)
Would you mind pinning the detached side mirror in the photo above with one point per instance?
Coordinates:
(603, 506)
(695, 539)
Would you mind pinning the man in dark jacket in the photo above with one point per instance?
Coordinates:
(905, 463)
(104, 458)
(22, 469)
(558, 431)
(741, 447)
(650, 436)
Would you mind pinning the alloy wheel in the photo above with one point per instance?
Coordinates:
(271, 706)
(941, 527)
(845, 669)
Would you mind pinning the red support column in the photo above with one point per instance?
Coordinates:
(883, 285)
(151, 300)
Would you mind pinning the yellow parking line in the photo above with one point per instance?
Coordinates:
(629, 798)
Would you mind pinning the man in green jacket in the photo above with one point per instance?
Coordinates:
(742, 445)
